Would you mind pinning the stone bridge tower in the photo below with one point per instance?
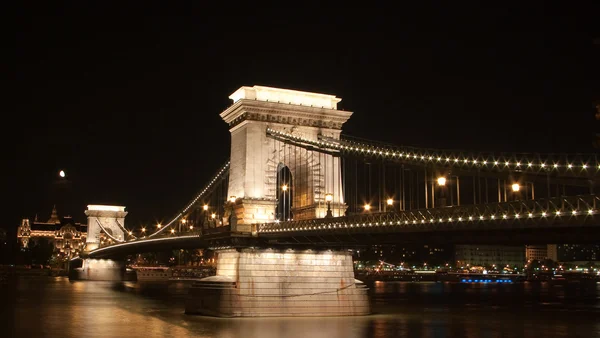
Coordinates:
(256, 158)
(108, 218)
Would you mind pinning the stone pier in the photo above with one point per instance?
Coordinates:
(96, 269)
(269, 282)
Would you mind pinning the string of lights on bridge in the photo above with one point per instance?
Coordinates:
(500, 162)
(588, 209)
(201, 194)
(492, 217)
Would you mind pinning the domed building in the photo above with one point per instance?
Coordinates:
(67, 235)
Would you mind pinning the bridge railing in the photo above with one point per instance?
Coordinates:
(566, 206)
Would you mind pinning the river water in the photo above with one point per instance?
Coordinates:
(40, 307)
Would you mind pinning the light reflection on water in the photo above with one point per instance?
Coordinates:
(56, 307)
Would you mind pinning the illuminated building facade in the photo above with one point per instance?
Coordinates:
(67, 236)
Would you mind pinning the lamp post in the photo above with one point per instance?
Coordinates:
(284, 188)
(516, 188)
(205, 220)
(441, 181)
(390, 203)
(328, 199)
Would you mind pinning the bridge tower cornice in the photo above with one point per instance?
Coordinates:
(284, 113)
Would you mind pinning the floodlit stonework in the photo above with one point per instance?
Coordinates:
(107, 219)
(268, 282)
(256, 158)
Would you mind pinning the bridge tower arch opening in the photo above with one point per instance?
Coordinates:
(285, 192)
(255, 156)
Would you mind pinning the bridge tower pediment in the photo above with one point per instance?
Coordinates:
(255, 157)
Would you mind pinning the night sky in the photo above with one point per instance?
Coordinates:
(126, 99)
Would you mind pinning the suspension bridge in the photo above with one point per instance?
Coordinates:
(297, 189)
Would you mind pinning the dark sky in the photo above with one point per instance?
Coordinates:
(126, 99)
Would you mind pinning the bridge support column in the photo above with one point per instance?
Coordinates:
(96, 269)
(269, 282)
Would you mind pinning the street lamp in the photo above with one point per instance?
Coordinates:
(284, 188)
(205, 207)
(232, 199)
(441, 181)
(328, 199)
(516, 187)
(158, 225)
(62, 174)
(390, 203)
(367, 207)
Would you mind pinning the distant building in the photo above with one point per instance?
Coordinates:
(67, 236)
(578, 252)
(536, 252)
(489, 255)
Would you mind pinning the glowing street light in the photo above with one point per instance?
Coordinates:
(232, 199)
(172, 231)
(213, 216)
(516, 187)
(441, 181)
(143, 229)
(183, 220)
(328, 199)
(158, 225)
(62, 174)
(367, 207)
(205, 207)
(390, 201)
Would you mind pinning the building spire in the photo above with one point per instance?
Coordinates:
(54, 216)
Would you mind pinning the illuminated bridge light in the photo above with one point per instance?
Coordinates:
(506, 163)
(569, 166)
(466, 160)
(518, 164)
(557, 212)
(406, 222)
(439, 158)
(484, 162)
(516, 215)
(555, 165)
(530, 215)
(432, 220)
(574, 212)
(584, 166)
(449, 219)
(441, 220)
(470, 218)
(543, 165)
(493, 217)
(455, 160)
(447, 159)
(474, 161)
(504, 216)
(495, 162)
(529, 164)
(460, 219)
(481, 217)
(543, 214)
(591, 211)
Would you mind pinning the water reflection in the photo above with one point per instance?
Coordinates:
(55, 307)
